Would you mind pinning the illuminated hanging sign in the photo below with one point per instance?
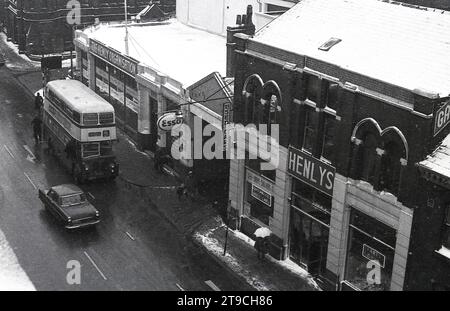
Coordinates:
(442, 117)
(168, 120)
(123, 62)
(312, 171)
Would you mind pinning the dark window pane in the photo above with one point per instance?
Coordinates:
(313, 88)
(328, 140)
(310, 129)
(332, 96)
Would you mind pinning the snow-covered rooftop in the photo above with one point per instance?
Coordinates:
(183, 53)
(404, 46)
(439, 160)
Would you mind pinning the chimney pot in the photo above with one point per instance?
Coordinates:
(244, 19)
(238, 20)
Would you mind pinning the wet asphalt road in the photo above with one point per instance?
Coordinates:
(133, 248)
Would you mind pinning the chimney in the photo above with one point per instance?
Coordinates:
(244, 19)
(244, 25)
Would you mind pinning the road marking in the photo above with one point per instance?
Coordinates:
(29, 179)
(29, 151)
(130, 236)
(10, 153)
(179, 287)
(90, 194)
(95, 266)
(212, 285)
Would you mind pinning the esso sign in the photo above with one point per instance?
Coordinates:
(167, 121)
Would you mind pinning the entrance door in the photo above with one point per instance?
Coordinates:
(308, 242)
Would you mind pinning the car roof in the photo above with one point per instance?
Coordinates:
(66, 189)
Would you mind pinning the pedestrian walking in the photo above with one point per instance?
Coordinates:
(38, 102)
(181, 190)
(259, 247)
(37, 128)
(189, 183)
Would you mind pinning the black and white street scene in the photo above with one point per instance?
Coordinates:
(225, 145)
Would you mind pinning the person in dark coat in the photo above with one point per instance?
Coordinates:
(261, 246)
(38, 102)
(37, 128)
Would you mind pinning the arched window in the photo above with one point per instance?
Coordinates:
(390, 167)
(368, 154)
(270, 104)
(252, 98)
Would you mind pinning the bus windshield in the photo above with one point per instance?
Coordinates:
(90, 150)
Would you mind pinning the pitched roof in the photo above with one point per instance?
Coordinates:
(399, 44)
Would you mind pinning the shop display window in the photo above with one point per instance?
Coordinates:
(261, 201)
(370, 254)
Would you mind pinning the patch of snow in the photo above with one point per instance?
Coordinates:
(444, 252)
(15, 49)
(201, 52)
(12, 276)
(287, 264)
(214, 247)
(411, 44)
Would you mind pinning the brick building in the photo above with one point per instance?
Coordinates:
(40, 26)
(356, 114)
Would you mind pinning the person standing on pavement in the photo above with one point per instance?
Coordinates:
(38, 102)
(37, 128)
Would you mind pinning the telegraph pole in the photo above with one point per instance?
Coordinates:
(126, 28)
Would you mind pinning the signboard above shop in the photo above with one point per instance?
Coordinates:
(442, 117)
(312, 171)
(124, 62)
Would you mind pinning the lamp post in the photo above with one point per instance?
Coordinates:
(226, 232)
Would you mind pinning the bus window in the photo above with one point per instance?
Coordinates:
(90, 119)
(76, 117)
(106, 117)
(90, 150)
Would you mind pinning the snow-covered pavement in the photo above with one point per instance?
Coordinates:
(12, 276)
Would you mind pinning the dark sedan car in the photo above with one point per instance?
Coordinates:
(69, 205)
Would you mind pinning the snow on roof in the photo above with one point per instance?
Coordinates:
(403, 46)
(79, 97)
(183, 53)
(439, 160)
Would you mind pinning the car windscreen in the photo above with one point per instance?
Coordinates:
(73, 199)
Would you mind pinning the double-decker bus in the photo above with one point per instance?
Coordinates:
(79, 127)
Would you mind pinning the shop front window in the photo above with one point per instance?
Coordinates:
(309, 227)
(255, 164)
(258, 196)
(370, 254)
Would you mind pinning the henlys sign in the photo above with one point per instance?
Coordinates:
(312, 171)
(442, 117)
(168, 120)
